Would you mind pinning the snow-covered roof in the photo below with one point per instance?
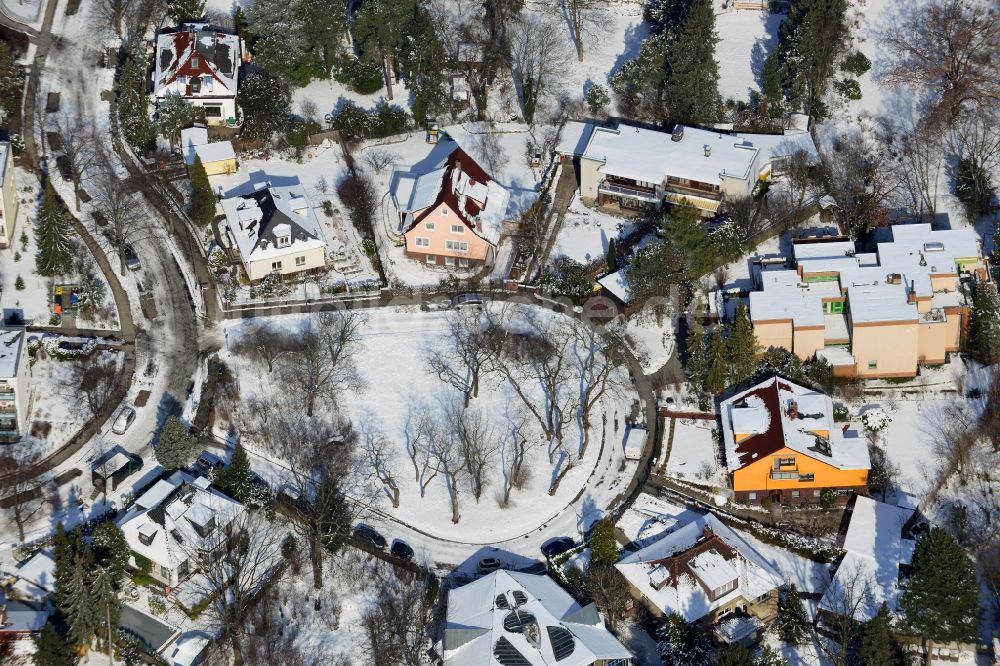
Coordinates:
(34, 578)
(778, 413)
(697, 558)
(197, 61)
(194, 142)
(20, 617)
(574, 137)
(877, 302)
(785, 296)
(875, 548)
(617, 285)
(649, 156)
(635, 439)
(11, 350)
(253, 218)
(509, 614)
(169, 515)
(776, 146)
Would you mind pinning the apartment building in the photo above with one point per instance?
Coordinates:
(8, 195)
(13, 384)
(879, 314)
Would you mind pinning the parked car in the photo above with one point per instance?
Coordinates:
(368, 533)
(437, 304)
(125, 418)
(131, 258)
(470, 300)
(488, 565)
(557, 547)
(401, 550)
(208, 462)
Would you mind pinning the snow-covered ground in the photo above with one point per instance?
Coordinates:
(586, 232)
(650, 337)
(745, 39)
(693, 454)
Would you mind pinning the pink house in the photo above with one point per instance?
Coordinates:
(451, 216)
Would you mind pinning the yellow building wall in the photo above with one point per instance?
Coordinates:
(773, 334)
(894, 348)
(315, 258)
(590, 178)
(944, 281)
(220, 167)
(807, 341)
(932, 340)
(757, 475)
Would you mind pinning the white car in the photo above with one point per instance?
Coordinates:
(125, 418)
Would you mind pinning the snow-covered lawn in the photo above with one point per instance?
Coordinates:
(586, 232)
(693, 456)
(807, 575)
(651, 338)
(745, 39)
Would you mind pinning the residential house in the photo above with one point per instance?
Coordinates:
(878, 314)
(451, 216)
(709, 575)
(782, 444)
(641, 168)
(510, 617)
(24, 603)
(13, 383)
(8, 195)
(275, 230)
(217, 157)
(177, 523)
(202, 64)
(876, 545)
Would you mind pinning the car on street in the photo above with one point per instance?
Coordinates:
(469, 300)
(488, 565)
(402, 550)
(131, 258)
(368, 533)
(557, 547)
(124, 419)
(437, 304)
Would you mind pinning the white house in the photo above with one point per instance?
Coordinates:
(275, 231)
(201, 64)
(176, 523)
(13, 383)
(509, 617)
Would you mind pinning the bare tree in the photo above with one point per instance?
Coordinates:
(597, 363)
(848, 596)
(96, 377)
(22, 495)
(583, 17)
(139, 15)
(446, 451)
(948, 49)
(234, 575)
(860, 182)
(379, 159)
(380, 456)
(79, 146)
(395, 625)
(119, 220)
(323, 363)
(271, 639)
(470, 351)
(478, 441)
(975, 138)
(917, 156)
(111, 13)
(514, 456)
(798, 173)
(262, 342)
(489, 149)
(358, 194)
(419, 433)
(609, 590)
(540, 58)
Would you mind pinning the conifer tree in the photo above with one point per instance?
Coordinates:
(177, 446)
(734, 654)
(878, 645)
(55, 254)
(173, 114)
(942, 599)
(111, 549)
(133, 103)
(236, 478)
(683, 644)
(79, 608)
(697, 354)
(62, 553)
(202, 206)
(983, 337)
(793, 622)
(718, 369)
(743, 347)
(694, 71)
(106, 605)
(612, 256)
(603, 544)
(51, 648)
(187, 10)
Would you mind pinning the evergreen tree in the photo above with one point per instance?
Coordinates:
(696, 354)
(812, 39)
(187, 10)
(202, 206)
(942, 600)
(133, 103)
(770, 80)
(878, 645)
(11, 82)
(694, 71)
(335, 519)
(612, 255)
(684, 228)
(106, 605)
(177, 446)
(172, 115)
(603, 544)
(78, 608)
(111, 550)
(734, 654)
(55, 253)
(793, 622)
(236, 479)
(380, 29)
(280, 46)
(718, 370)
(683, 644)
(51, 648)
(983, 335)
(597, 99)
(743, 347)
(264, 101)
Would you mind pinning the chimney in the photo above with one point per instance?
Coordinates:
(708, 150)
(793, 410)
(844, 429)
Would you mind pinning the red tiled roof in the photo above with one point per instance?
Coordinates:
(458, 159)
(771, 440)
(184, 60)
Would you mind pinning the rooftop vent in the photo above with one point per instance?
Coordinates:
(678, 133)
(934, 247)
(894, 278)
(708, 150)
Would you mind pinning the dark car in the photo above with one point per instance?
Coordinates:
(401, 550)
(471, 300)
(557, 547)
(368, 533)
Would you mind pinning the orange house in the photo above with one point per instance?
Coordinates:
(783, 445)
(451, 216)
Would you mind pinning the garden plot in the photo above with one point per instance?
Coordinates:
(586, 232)
(693, 454)
(745, 39)
(399, 388)
(651, 338)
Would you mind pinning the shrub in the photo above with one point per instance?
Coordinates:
(157, 606)
(388, 119)
(597, 99)
(19, 283)
(849, 88)
(856, 63)
(363, 78)
(827, 497)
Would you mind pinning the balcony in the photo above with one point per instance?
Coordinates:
(792, 475)
(620, 189)
(694, 187)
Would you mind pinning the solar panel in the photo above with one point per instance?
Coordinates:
(501, 602)
(520, 597)
(562, 642)
(516, 620)
(507, 654)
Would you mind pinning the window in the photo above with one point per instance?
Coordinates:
(751, 496)
(444, 211)
(725, 589)
(164, 573)
(422, 242)
(460, 246)
(873, 365)
(784, 462)
(213, 111)
(457, 229)
(284, 241)
(431, 259)
(449, 261)
(275, 265)
(429, 226)
(146, 538)
(195, 62)
(464, 263)
(795, 493)
(300, 261)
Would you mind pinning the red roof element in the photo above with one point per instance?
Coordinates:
(188, 61)
(460, 160)
(772, 440)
